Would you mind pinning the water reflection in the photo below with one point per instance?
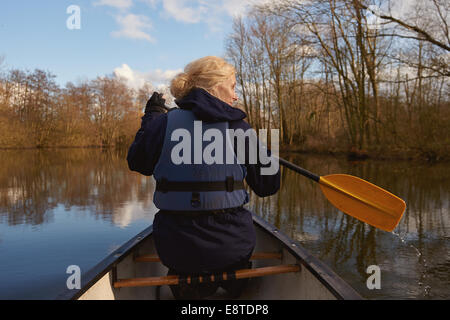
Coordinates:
(61, 203)
(417, 267)
(64, 207)
(32, 182)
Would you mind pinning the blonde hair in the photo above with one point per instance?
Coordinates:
(203, 73)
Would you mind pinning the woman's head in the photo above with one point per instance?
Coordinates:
(213, 74)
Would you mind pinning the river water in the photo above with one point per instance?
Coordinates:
(67, 207)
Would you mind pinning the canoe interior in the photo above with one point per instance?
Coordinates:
(314, 281)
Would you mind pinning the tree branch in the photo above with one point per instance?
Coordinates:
(416, 29)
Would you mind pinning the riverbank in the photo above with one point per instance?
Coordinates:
(351, 155)
(388, 155)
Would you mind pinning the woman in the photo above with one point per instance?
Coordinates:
(202, 226)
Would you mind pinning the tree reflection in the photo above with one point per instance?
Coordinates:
(32, 182)
(303, 213)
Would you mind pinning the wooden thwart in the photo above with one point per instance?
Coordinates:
(174, 279)
(255, 256)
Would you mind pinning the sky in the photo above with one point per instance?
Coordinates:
(140, 40)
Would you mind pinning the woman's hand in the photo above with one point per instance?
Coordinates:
(156, 104)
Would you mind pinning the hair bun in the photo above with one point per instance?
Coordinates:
(180, 85)
(203, 73)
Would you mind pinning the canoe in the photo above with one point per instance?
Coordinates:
(281, 270)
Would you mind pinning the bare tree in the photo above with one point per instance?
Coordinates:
(439, 14)
(333, 69)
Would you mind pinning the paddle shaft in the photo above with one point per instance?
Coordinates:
(300, 170)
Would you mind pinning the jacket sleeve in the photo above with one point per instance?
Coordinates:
(145, 150)
(263, 185)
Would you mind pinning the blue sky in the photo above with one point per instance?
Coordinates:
(140, 39)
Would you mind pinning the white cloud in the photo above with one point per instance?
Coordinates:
(135, 79)
(120, 4)
(151, 3)
(211, 12)
(194, 11)
(238, 7)
(185, 11)
(134, 26)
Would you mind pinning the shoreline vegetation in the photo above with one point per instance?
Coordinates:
(322, 73)
(349, 155)
(341, 77)
(104, 113)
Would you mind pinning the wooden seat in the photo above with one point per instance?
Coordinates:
(175, 279)
(255, 256)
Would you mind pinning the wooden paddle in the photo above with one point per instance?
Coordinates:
(358, 198)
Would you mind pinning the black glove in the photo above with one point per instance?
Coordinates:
(156, 103)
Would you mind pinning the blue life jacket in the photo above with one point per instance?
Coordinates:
(194, 185)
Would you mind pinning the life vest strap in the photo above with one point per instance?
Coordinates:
(229, 185)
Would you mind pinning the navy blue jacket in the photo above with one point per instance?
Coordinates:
(204, 242)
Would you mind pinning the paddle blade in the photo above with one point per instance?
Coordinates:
(363, 200)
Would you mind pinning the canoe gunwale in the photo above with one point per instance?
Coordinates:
(337, 286)
(330, 279)
(105, 266)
